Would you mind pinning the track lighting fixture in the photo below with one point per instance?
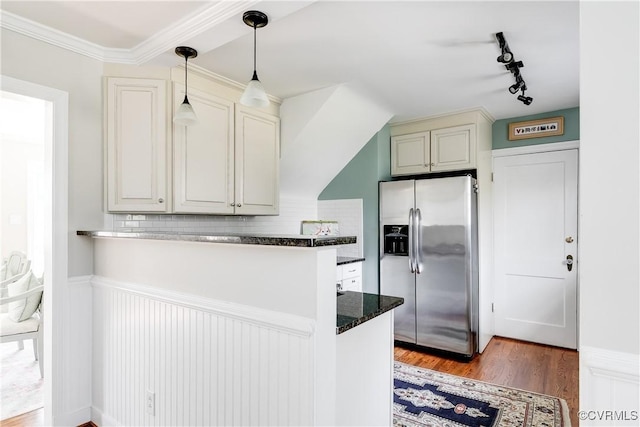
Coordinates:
(185, 114)
(254, 94)
(513, 66)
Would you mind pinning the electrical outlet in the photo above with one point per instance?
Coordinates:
(150, 403)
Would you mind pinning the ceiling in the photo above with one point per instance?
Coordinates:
(417, 58)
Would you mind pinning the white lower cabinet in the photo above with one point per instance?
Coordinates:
(349, 277)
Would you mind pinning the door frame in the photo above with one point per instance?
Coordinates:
(56, 166)
(544, 148)
(538, 148)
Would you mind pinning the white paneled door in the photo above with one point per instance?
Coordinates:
(535, 224)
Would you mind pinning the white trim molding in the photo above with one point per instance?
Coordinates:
(537, 148)
(288, 323)
(609, 387)
(206, 17)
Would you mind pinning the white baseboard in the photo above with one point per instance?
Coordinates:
(101, 419)
(609, 387)
(75, 418)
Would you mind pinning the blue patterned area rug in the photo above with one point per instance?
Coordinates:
(422, 397)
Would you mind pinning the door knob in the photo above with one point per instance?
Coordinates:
(569, 262)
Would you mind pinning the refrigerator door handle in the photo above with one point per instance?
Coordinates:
(411, 257)
(417, 226)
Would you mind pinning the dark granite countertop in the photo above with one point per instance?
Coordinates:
(355, 308)
(348, 260)
(293, 240)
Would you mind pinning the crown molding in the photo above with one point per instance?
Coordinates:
(194, 24)
(49, 35)
(191, 26)
(480, 110)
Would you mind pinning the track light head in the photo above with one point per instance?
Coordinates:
(526, 100)
(518, 85)
(506, 57)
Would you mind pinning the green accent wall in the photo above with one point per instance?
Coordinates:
(571, 129)
(359, 180)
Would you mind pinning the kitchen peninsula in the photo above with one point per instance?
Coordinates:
(236, 330)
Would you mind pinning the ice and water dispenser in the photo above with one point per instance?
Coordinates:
(396, 239)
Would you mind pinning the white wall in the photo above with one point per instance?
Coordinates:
(30, 60)
(67, 338)
(609, 197)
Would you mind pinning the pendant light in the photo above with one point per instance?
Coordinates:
(185, 114)
(254, 94)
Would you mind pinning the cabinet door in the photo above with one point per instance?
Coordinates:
(203, 155)
(136, 134)
(257, 160)
(410, 154)
(453, 148)
(352, 284)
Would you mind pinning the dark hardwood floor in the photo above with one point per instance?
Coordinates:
(527, 366)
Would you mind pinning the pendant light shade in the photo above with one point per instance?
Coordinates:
(254, 95)
(185, 114)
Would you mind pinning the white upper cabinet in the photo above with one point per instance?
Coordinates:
(136, 145)
(453, 148)
(203, 155)
(226, 164)
(436, 150)
(410, 154)
(257, 159)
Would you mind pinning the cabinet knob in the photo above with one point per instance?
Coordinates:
(233, 204)
(161, 200)
(238, 205)
(433, 164)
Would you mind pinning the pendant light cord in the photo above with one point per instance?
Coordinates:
(254, 48)
(185, 77)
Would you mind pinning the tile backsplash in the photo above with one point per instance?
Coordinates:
(292, 211)
(347, 212)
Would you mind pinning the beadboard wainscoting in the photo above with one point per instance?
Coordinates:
(165, 358)
(609, 387)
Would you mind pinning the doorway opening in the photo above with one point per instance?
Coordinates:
(47, 241)
(25, 131)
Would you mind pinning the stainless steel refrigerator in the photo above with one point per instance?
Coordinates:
(428, 256)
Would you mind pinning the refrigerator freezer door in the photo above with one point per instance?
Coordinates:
(396, 278)
(444, 288)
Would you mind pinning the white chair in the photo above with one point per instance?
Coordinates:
(29, 328)
(14, 267)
